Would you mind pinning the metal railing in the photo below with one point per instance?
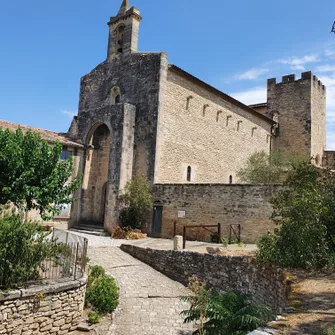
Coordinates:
(71, 261)
(204, 227)
(66, 261)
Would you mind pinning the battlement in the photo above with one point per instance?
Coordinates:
(291, 78)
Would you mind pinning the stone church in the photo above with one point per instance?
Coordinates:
(138, 114)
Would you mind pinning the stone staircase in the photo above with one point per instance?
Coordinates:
(90, 229)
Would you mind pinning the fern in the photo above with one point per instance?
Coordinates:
(223, 313)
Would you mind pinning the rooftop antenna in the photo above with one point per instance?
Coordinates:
(333, 28)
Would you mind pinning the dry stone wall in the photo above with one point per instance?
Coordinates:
(44, 309)
(267, 285)
(210, 204)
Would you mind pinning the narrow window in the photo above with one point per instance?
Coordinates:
(204, 110)
(227, 122)
(217, 115)
(189, 173)
(253, 131)
(238, 125)
(119, 39)
(115, 95)
(188, 102)
(230, 179)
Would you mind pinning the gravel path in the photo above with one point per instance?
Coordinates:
(149, 301)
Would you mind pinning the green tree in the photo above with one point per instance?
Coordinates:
(32, 174)
(304, 212)
(263, 168)
(136, 202)
(223, 313)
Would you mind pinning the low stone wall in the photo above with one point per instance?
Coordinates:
(267, 285)
(45, 309)
(210, 204)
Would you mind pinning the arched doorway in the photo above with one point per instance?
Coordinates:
(96, 175)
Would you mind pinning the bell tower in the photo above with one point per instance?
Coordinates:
(123, 31)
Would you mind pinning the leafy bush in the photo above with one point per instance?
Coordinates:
(223, 313)
(94, 317)
(23, 248)
(136, 202)
(304, 212)
(103, 294)
(214, 238)
(97, 271)
(224, 241)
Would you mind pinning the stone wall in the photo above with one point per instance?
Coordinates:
(201, 129)
(45, 309)
(247, 205)
(267, 285)
(329, 159)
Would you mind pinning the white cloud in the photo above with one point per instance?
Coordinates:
(251, 96)
(70, 114)
(251, 74)
(298, 63)
(329, 52)
(325, 68)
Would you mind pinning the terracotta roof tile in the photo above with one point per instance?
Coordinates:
(47, 135)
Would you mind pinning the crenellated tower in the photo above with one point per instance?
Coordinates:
(123, 31)
(299, 107)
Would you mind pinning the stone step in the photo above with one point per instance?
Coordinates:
(90, 229)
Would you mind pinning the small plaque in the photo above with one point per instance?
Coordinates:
(181, 214)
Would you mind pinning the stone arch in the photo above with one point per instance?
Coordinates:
(95, 181)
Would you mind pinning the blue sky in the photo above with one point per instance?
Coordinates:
(46, 46)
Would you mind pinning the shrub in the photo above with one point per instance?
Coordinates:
(23, 248)
(136, 202)
(214, 238)
(94, 317)
(97, 271)
(303, 211)
(103, 294)
(223, 313)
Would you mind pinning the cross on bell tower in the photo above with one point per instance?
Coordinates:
(123, 31)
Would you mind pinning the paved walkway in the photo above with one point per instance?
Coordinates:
(149, 301)
(161, 243)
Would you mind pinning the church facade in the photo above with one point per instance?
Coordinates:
(138, 114)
